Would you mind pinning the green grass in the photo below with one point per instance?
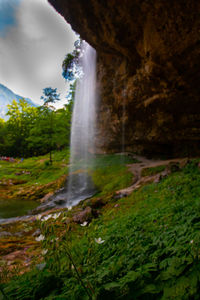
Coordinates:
(107, 160)
(41, 172)
(151, 248)
(111, 174)
(153, 170)
(110, 179)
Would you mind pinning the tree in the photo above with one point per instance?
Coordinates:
(70, 66)
(50, 96)
(2, 136)
(51, 129)
(21, 118)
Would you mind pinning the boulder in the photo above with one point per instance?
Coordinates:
(83, 216)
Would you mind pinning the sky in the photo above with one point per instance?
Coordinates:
(34, 40)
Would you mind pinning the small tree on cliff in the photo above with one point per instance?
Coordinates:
(71, 67)
(50, 97)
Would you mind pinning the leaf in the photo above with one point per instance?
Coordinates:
(130, 277)
(151, 289)
(111, 285)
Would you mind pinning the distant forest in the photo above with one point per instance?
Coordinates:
(33, 131)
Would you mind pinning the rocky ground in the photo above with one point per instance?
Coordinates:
(149, 170)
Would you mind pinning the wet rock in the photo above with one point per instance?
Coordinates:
(85, 215)
(4, 234)
(19, 233)
(173, 167)
(47, 197)
(165, 173)
(14, 254)
(96, 203)
(37, 232)
(60, 201)
(151, 50)
(36, 192)
(158, 178)
(120, 195)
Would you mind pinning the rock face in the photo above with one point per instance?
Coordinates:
(148, 71)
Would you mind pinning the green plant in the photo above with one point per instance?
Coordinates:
(149, 248)
(153, 170)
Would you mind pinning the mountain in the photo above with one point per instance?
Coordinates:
(6, 97)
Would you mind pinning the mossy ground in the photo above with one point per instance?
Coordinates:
(34, 177)
(153, 171)
(36, 169)
(149, 246)
(110, 173)
(19, 245)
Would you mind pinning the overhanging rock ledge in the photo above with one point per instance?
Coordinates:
(148, 71)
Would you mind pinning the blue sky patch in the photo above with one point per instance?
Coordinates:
(7, 14)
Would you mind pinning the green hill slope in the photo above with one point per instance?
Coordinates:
(144, 246)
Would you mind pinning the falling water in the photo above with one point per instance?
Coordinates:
(79, 184)
(82, 130)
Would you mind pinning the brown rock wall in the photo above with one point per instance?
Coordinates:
(148, 71)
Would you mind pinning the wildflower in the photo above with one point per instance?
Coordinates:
(69, 207)
(41, 266)
(40, 238)
(55, 216)
(44, 251)
(47, 217)
(191, 242)
(54, 239)
(99, 241)
(38, 217)
(84, 224)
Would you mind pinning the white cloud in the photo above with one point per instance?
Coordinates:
(31, 53)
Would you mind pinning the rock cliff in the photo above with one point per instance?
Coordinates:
(148, 71)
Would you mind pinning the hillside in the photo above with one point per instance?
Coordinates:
(6, 97)
(143, 246)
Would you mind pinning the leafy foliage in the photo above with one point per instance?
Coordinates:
(35, 169)
(50, 95)
(35, 130)
(17, 128)
(70, 66)
(150, 249)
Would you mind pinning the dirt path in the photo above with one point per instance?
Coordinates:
(144, 163)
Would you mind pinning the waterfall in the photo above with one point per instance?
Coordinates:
(82, 147)
(83, 128)
(79, 184)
